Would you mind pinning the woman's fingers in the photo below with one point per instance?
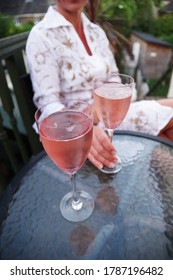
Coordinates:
(102, 151)
(98, 160)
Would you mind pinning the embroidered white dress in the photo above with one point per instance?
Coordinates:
(58, 61)
(147, 116)
(60, 66)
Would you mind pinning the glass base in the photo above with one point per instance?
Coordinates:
(117, 167)
(79, 211)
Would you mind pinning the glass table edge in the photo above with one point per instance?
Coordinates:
(144, 135)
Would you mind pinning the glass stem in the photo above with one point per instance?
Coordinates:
(110, 134)
(76, 201)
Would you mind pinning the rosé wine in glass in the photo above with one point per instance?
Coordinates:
(112, 98)
(66, 143)
(65, 128)
(112, 109)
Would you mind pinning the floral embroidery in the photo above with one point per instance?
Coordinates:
(40, 58)
(139, 121)
(91, 38)
(90, 79)
(69, 66)
(68, 43)
(57, 53)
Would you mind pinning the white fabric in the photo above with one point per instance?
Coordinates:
(58, 61)
(147, 116)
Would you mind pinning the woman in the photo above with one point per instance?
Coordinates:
(65, 51)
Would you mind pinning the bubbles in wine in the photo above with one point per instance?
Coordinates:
(116, 91)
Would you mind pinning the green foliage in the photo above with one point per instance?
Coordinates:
(119, 8)
(120, 13)
(6, 24)
(158, 3)
(164, 28)
(130, 15)
(8, 27)
(143, 20)
(161, 90)
(24, 27)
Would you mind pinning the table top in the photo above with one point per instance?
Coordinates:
(133, 215)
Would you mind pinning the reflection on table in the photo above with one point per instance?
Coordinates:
(132, 219)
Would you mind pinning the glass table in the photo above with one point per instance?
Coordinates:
(132, 219)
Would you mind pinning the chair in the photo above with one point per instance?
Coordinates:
(28, 92)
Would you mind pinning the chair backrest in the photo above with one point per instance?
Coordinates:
(28, 92)
(18, 140)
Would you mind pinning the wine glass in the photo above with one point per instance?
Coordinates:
(112, 98)
(65, 130)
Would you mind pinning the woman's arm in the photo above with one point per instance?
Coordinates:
(43, 68)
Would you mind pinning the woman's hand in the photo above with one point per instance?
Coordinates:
(102, 151)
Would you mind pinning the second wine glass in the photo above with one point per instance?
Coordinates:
(112, 98)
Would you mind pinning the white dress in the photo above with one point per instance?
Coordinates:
(147, 116)
(58, 62)
(60, 66)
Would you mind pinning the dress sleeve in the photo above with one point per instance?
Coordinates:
(43, 68)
